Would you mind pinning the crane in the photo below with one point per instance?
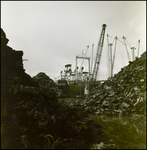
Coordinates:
(98, 54)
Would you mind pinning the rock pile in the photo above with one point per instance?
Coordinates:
(123, 94)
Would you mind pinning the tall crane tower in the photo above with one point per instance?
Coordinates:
(98, 54)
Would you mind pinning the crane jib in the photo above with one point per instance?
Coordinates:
(98, 54)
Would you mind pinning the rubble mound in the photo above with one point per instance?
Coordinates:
(124, 93)
(28, 105)
(31, 115)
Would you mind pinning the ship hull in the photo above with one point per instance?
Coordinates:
(76, 89)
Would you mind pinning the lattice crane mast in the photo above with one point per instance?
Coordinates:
(98, 54)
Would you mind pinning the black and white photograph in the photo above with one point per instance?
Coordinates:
(73, 74)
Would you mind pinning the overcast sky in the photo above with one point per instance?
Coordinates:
(52, 33)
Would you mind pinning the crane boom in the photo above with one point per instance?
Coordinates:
(99, 53)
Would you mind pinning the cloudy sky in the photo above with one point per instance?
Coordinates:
(52, 33)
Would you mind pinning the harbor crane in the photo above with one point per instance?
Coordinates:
(98, 54)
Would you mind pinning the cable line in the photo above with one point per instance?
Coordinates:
(121, 55)
(83, 57)
(121, 41)
(126, 47)
(82, 51)
(128, 43)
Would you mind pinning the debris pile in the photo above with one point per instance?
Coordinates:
(123, 94)
(31, 115)
(30, 111)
